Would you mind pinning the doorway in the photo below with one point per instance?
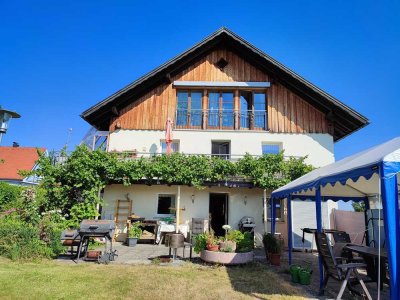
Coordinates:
(218, 212)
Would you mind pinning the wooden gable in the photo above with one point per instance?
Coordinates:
(287, 111)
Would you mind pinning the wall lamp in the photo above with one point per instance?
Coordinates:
(192, 198)
(245, 200)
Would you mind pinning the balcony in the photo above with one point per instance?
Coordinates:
(221, 119)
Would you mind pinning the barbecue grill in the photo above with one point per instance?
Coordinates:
(70, 238)
(97, 228)
(247, 224)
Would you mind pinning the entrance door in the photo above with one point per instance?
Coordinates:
(218, 210)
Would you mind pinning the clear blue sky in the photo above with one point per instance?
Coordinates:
(57, 58)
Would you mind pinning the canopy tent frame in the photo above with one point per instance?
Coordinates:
(380, 166)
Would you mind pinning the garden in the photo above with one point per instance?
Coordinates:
(31, 218)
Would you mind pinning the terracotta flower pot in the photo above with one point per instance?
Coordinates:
(275, 259)
(212, 247)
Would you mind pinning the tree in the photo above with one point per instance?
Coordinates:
(358, 206)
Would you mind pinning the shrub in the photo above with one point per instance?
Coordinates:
(20, 240)
(246, 244)
(9, 195)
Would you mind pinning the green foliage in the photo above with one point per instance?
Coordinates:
(20, 240)
(200, 242)
(73, 186)
(135, 231)
(358, 206)
(246, 244)
(271, 243)
(9, 194)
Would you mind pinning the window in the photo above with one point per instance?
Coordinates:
(174, 146)
(273, 148)
(166, 204)
(245, 109)
(213, 109)
(279, 210)
(220, 109)
(189, 108)
(260, 115)
(220, 149)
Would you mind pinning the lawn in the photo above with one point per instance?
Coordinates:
(58, 280)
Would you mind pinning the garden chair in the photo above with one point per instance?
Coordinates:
(337, 268)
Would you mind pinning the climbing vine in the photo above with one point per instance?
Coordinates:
(74, 184)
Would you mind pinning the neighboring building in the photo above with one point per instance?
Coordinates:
(226, 98)
(15, 159)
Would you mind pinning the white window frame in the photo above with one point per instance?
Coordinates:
(157, 202)
(176, 142)
(279, 144)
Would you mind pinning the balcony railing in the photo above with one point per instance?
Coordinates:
(221, 119)
(128, 155)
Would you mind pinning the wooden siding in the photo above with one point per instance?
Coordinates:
(287, 112)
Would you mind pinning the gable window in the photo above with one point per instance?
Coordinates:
(271, 148)
(220, 109)
(245, 109)
(166, 204)
(174, 146)
(260, 106)
(189, 108)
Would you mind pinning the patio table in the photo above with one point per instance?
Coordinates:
(371, 256)
(165, 228)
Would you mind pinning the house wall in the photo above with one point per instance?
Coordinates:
(318, 147)
(287, 111)
(144, 199)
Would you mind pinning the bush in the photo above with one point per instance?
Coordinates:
(246, 244)
(9, 195)
(20, 240)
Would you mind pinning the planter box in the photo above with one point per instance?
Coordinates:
(226, 258)
(131, 242)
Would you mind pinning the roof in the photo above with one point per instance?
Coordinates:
(363, 164)
(346, 120)
(16, 159)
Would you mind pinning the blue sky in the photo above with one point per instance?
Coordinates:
(58, 58)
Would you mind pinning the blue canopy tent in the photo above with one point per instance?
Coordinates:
(370, 173)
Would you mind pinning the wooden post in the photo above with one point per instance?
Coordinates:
(236, 110)
(178, 209)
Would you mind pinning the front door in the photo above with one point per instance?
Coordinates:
(218, 210)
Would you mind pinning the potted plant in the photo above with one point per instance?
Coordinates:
(227, 245)
(135, 232)
(212, 243)
(273, 248)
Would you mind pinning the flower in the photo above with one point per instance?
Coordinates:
(226, 227)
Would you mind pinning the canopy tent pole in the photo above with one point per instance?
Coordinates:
(318, 201)
(265, 210)
(289, 216)
(178, 209)
(389, 192)
(272, 215)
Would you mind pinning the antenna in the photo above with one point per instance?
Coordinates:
(68, 138)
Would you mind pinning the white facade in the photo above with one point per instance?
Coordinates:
(242, 201)
(318, 147)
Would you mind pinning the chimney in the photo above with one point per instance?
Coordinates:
(15, 145)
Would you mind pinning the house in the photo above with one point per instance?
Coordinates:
(225, 97)
(15, 159)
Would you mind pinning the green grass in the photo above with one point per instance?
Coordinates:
(58, 280)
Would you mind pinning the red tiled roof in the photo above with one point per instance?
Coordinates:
(14, 159)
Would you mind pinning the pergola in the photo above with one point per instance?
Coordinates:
(373, 172)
